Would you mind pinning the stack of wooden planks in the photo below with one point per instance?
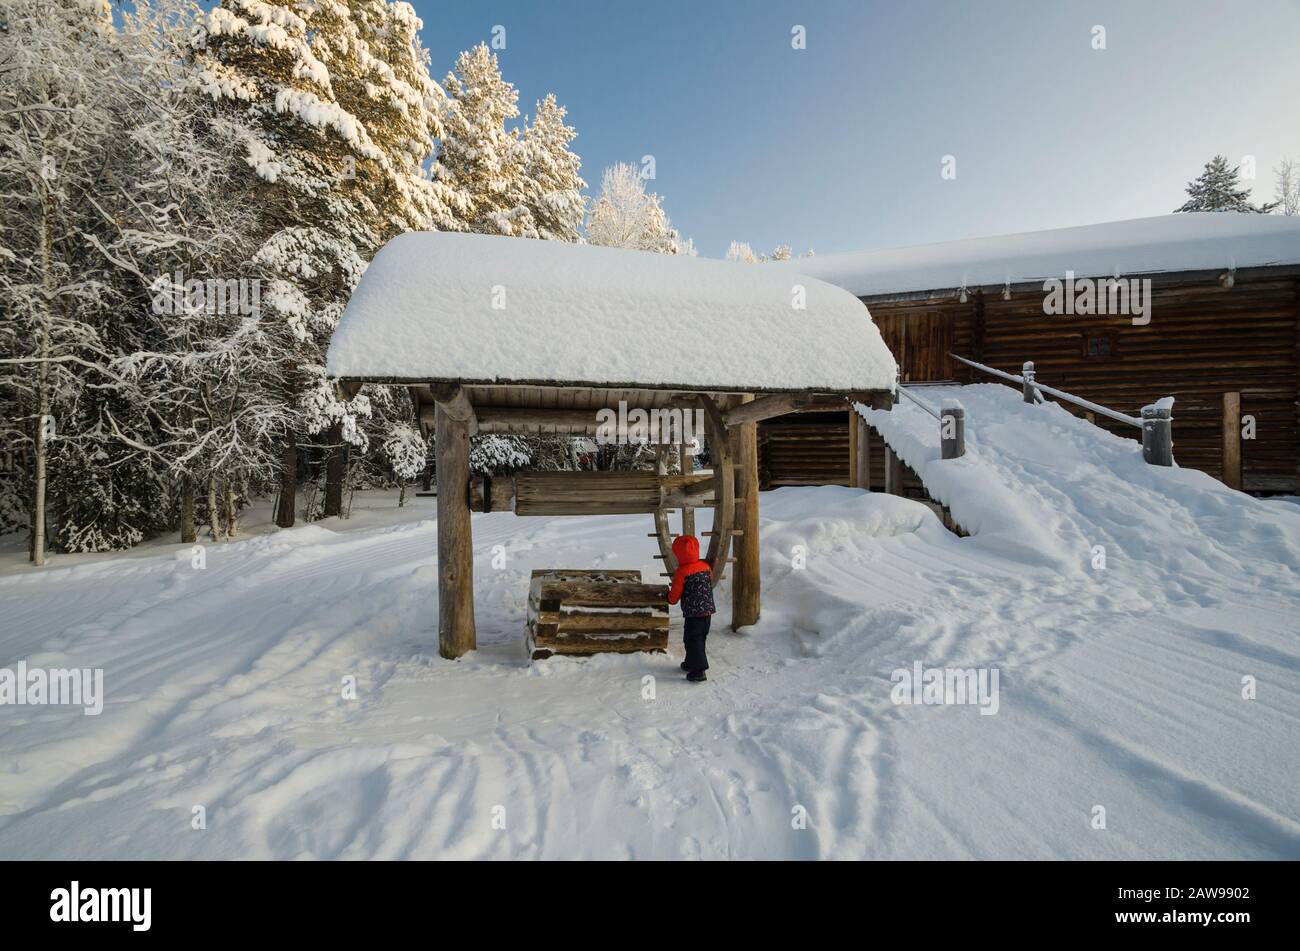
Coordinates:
(577, 611)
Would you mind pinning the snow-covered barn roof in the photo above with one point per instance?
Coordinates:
(1198, 241)
(492, 310)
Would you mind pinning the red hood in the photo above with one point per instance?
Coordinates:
(686, 549)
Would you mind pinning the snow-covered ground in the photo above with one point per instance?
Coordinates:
(1119, 688)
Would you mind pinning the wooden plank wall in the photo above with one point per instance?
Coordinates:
(923, 333)
(813, 449)
(1203, 340)
(804, 449)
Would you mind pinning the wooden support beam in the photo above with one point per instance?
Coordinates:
(746, 582)
(853, 448)
(862, 459)
(456, 632)
(778, 404)
(504, 419)
(1232, 440)
(451, 399)
(893, 472)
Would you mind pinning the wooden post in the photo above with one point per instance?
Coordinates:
(456, 633)
(1232, 440)
(746, 583)
(1027, 386)
(893, 472)
(1158, 434)
(853, 448)
(952, 432)
(862, 460)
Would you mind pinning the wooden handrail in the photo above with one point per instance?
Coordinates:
(1059, 394)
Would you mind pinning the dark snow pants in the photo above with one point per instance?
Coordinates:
(696, 633)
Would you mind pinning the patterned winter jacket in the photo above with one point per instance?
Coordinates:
(692, 581)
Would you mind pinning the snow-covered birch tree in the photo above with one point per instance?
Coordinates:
(625, 216)
(59, 103)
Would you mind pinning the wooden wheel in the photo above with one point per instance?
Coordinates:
(724, 489)
(662, 529)
(724, 497)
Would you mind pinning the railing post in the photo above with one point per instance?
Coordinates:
(1158, 433)
(1030, 391)
(952, 431)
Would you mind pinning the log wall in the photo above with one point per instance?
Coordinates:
(1204, 340)
(804, 449)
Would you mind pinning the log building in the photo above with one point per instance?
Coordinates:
(1219, 330)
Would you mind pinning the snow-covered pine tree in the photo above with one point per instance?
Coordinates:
(497, 454)
(381, 76)
(625, 216)
(318, 197)
(1219, 188)
(479, 158)
(553, 187)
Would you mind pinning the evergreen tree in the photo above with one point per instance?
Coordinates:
(1219, 188)
(553, 187)
(479, 158)
(339, 135)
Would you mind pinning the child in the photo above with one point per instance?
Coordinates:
(693, 586)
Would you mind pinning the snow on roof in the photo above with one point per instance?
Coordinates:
(484, 309)
(1196, 241)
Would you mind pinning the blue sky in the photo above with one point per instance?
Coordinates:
(839, 146)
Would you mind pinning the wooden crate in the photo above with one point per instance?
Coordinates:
(584, 611)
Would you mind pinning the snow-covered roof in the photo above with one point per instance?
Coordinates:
(1197, 241)
(484, 309)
